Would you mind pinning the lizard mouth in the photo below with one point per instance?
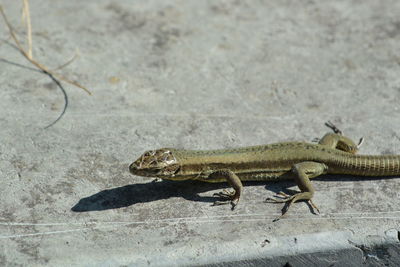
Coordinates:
(137, 170)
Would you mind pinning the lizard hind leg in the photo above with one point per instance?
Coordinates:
(337, 140)
(303, 172)
(333, 127)
(340, 142)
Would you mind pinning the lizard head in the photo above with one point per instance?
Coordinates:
(159, 163)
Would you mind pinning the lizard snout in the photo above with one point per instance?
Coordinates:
(133, 168)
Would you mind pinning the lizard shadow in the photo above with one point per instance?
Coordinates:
(329, 178)
(350, 178)
(128, 195)
(132, 194)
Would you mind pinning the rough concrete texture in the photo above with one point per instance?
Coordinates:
(196, 75)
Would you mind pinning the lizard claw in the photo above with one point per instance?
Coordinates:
(232, 202)
(225, 194)
(360, 142)
(282, 197)
(227, 198)
(313, 206)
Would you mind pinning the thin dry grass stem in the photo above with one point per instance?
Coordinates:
(37, 64)
(26, 16)
(75, 56)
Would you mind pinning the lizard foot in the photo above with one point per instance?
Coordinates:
(333, 127)
(360, 142)
(282, 197)
(225, 194)
(227, 197)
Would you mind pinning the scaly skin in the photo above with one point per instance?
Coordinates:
(272, 162)
(335, 154)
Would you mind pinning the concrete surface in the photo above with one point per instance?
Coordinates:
(201, 75)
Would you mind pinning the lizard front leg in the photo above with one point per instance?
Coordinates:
(234, 181)
(303, 172)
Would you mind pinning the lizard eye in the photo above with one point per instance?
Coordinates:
(149, 153)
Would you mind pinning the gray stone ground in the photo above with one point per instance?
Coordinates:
(196, 75)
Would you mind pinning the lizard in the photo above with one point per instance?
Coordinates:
(334, 153)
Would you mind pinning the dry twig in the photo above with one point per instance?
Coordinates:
(26, 16)
(75, 56)
(29, 58)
